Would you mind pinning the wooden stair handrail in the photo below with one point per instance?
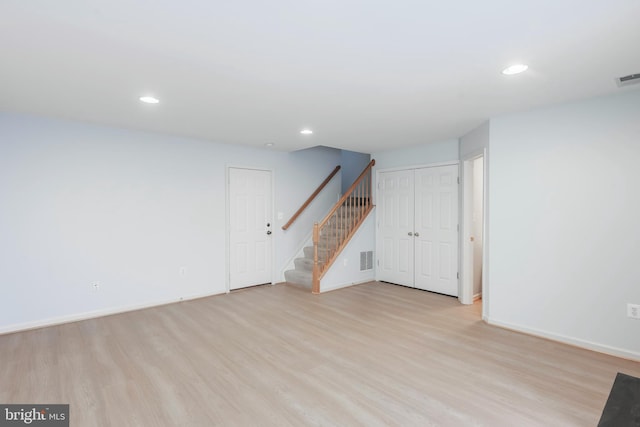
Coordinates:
(310, 199)
(347, 193)
(363, 189)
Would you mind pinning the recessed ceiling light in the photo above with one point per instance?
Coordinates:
(149, 99)
(306, 131)
(515, 69)
(269, 144)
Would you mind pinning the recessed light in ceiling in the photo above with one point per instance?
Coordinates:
(269, 144)
(306, 131)
(515, 69)
(149, 99)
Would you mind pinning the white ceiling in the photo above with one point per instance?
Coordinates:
(364, 75)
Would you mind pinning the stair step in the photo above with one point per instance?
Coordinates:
(322, 250)
(328, 242)
(336, 231)
(305, 263)
(341, 219)
(308, 252)
(299, 277)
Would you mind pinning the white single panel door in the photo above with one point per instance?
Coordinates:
(395, 224)
(436, 229)
(250, 226)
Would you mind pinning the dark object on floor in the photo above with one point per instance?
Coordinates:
(623, 405)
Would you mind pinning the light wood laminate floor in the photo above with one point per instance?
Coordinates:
(369, 355)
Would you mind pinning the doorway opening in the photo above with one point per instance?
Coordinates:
(473, 232)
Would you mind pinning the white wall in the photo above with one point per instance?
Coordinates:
(84, 203)
(565, 211)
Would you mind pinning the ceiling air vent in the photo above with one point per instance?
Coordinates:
(628, 80)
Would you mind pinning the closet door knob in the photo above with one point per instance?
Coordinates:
(416, 234)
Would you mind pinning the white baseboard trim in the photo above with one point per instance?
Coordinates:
(20, 327)
(576, 342)
(324, 289)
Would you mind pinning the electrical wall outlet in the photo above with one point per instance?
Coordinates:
(633, 311)
(96, 286)
(183, 271)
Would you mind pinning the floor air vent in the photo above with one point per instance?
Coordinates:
(366, 260)
(628, 80)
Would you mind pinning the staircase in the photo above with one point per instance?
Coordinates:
(303, 272)
(342, 224)
(333, 233)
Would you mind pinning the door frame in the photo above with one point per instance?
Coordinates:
(227, 276)
(376, 198)
(466, 214)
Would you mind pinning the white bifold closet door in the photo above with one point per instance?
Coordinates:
(418, 228)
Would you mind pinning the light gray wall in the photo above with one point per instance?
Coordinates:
(346, 269)
(436, 152)
(84, 203)
(352, 165)
(564, 222)
(475, 141)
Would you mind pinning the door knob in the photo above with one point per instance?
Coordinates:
(268, 232)
(416, 234)
(410, 233)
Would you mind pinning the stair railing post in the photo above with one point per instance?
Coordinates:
(369, 188)
(315, 281)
